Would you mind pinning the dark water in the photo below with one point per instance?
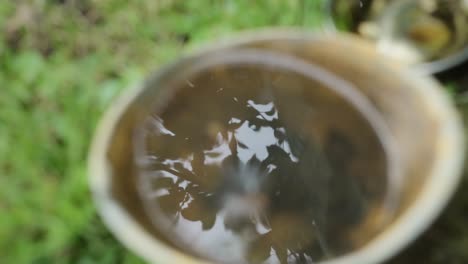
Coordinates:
(252, 165)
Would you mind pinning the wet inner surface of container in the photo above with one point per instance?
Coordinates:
(254, 164)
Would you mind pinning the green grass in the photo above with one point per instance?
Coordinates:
(61, 64)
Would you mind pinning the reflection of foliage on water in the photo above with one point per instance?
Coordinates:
(286, 192)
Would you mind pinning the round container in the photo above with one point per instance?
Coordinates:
(401, 33)
(376, 104)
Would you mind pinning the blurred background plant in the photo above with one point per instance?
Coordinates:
(61, 64)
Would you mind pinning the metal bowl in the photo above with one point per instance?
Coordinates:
(392, 25)
(417, 118)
